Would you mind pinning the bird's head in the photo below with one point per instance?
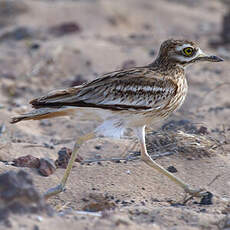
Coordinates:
(183, 53)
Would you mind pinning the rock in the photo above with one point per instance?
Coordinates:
(46, 167)
(27, 161)
(16, 184)
(19, 196)
(172, 169)
(207, 199)
(64, 155)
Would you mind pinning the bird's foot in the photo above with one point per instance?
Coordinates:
(196, 192)
(54, 191)
(201, 193)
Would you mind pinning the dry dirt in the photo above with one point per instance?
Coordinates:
(46, 45)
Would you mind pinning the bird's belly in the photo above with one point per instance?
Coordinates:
(112, 123)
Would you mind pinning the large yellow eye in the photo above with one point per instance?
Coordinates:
(188, 51)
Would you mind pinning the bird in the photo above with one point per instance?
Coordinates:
(130, 98)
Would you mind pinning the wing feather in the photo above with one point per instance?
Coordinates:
(137, 89)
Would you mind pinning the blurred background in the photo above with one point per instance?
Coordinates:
(49, 44)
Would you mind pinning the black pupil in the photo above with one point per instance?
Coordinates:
(189, 50)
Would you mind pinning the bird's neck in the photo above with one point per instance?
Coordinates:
(163, 65)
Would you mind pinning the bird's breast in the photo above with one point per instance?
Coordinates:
(179, 97)
(174, 103)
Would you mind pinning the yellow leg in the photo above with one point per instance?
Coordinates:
(59, 188)
(149, 161)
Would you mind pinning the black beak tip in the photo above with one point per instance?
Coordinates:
(216, 59)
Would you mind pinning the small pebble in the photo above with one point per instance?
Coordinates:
(143, 203)
(117, 201)
(34, 46)
(125, 203)
(207, 199)
(172, 169)
(97, 147)
(117, 161)
(65, 28)
(203, 210)
(49, 146)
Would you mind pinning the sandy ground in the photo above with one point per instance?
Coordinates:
(46, 45)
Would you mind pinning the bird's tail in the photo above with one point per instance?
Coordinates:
(43, 113)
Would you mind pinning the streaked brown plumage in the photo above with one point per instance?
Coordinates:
(130, 98)
(137, 90)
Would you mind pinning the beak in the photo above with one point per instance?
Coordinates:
(210, 58)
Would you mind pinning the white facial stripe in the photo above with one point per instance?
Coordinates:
(179, 48)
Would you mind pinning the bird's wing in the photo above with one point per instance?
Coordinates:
(137, 89)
